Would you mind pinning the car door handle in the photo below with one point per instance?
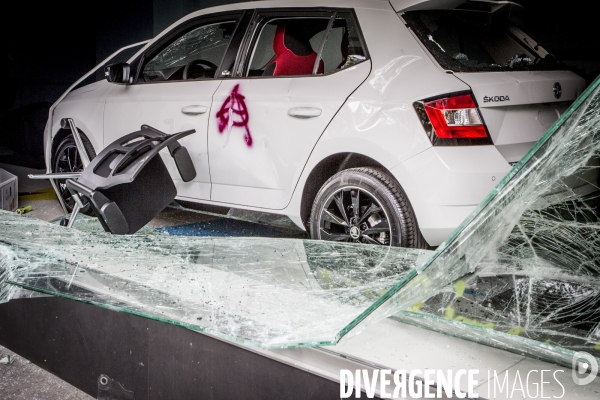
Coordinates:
(194, 110)
(304, 112)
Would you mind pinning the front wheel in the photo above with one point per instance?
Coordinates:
(66, 159)
(364, 205)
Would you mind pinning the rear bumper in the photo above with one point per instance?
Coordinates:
(445, 184)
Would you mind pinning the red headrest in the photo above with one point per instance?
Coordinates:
(279, 40)
(293, 53)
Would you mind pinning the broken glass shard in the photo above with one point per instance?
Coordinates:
(522, 273)
(267, 292)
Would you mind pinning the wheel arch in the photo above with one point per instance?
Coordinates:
(63, 133)
(324, 170)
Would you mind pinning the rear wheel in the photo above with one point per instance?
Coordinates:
(66, 159)
(364, 205)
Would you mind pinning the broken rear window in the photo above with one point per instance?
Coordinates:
(470, 41)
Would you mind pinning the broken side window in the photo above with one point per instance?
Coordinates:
(472, 41)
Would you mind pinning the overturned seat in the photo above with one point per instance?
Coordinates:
(127, 185)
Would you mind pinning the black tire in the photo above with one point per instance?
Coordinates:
(383, 201)
(66, 159)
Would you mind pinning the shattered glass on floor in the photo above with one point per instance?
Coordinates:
(267, 292)
(521, 273)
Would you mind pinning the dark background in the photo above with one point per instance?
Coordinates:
(46, 46)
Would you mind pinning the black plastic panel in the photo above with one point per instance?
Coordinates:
(79, 342)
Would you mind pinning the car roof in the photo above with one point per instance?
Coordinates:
(376, 4)
(357, 4)
(398, 5)
(389, 5)
(405, 5)
(384, 5)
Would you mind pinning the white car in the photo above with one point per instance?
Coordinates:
(371, 121)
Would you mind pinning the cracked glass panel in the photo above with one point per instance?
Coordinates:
(523, 271)
(195, 55)
(267, 292)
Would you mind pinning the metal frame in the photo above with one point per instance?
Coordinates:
(85, 160)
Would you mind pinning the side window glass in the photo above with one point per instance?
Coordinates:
(291, 46)
(343, 47)
(288, 47)
(195, 55)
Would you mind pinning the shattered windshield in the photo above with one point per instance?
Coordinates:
(204, 46)
(468, 41)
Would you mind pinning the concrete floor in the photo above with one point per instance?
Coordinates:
(22, 380)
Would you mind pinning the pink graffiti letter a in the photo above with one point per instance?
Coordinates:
(234, 113)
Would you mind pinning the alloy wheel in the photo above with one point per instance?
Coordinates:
(354, 215)
(67, 160)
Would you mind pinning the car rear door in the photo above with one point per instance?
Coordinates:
(297, 70)
(176, 79)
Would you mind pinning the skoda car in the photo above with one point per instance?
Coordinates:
(371, 121)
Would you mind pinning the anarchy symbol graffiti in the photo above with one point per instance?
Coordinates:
(234, 113)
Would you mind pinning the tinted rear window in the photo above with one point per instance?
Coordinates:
(468, 41)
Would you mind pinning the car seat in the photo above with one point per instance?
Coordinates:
(293, 53)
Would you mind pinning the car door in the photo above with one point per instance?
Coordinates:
(296, 70)
(176, 79)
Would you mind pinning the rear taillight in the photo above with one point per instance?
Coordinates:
(453, 120)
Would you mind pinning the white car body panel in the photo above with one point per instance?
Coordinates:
(378, 120)
(86, 107)
(523, 87)
(516, 124)
(448, 183)
(367, 110)
(160, 106)
(265, 173)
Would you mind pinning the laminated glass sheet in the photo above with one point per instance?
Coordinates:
(267, 292)
(522, 273)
